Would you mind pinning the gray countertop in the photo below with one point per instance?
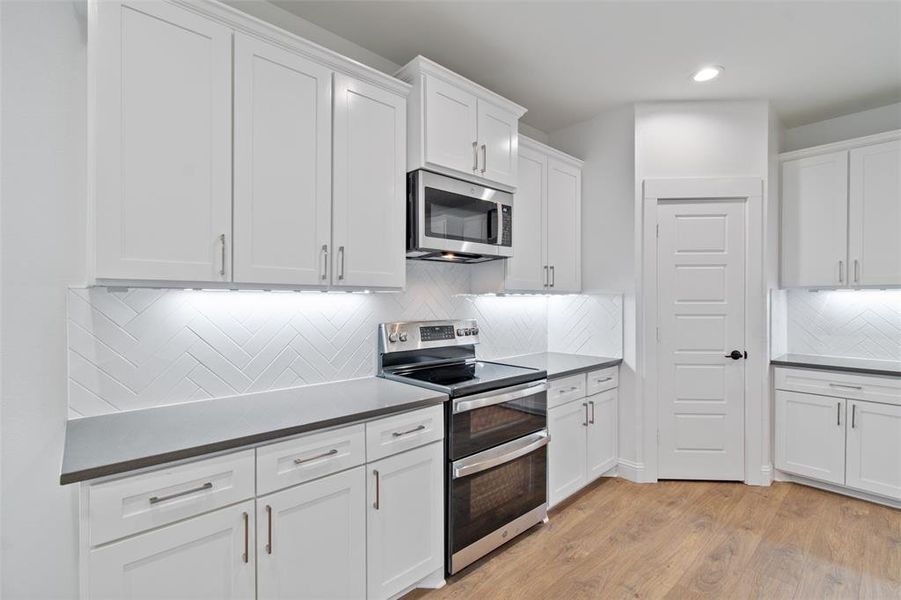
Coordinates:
(120, 442)
(890, 368)
(558, 364)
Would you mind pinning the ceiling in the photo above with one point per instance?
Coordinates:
(568, 61)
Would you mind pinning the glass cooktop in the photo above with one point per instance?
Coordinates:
(468, 377)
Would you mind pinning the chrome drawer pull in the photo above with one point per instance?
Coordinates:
(408, 432)
(850, 387)
(269, 529)
(604, 380)
(300, 461)
(157, 499)
(246, 556)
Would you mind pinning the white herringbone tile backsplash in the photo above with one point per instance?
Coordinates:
(137, 348)
(859, 323)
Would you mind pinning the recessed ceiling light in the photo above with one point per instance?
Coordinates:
(707, 73)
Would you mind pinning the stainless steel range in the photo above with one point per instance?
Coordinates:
(496, 484)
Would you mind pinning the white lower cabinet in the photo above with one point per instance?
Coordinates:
(833, 437)
(405, 524)
(311, 539)
(583, 431)
(810, 436)
(209, 557)
(874, 448)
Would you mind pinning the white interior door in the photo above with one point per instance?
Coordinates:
(875, 215)
(525, 269)
(163, 172)
(282, 165)
(369, 186)
(701, 317)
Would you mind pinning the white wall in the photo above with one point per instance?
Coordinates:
(867, 122)
(43, 191)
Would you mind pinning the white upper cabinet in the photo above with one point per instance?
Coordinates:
(563, 215)
(282, 155)
(369, 186)
(459, 128)
(451, 126)
(841, 211)
(547, 226)
(875, 214)
(162, 144)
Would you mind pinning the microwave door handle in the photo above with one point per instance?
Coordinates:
(499, 455)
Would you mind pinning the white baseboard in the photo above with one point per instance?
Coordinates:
(764, 478)
(633, 471)
(838, 489)
(432, 581)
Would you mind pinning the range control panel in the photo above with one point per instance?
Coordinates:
(400, 337)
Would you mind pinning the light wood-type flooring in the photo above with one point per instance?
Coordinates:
(681, 539)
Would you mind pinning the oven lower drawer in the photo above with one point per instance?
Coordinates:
(495, 495)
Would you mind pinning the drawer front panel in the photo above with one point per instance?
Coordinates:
(840, 385)
(602, 380)
(301, 459)
(391, 435)
(125, 506)
(565, 389)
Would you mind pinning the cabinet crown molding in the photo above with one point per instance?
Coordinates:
(532, 144)
(867, 140)
(250, 25)
(423, 66)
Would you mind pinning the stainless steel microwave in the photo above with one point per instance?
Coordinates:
(453, 220)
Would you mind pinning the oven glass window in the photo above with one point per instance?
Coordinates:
(486, 427)
(484, 502)
(455, 217)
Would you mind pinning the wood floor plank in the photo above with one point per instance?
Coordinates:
(682, 540)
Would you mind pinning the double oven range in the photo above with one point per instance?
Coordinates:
(496, 438)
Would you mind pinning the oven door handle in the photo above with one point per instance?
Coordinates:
(500, 455)
(490, 398)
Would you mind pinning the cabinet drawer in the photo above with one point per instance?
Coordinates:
(560, 391)
(840, 385)
(124, 506)
(402, 432)
(602, 380)
(301, 459)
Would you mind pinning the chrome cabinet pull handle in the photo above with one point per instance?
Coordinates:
(545, 275)
(375, 504)
(340, 262)
(484, 158)
(324, 261)
(838, 413)
(407, 432)
(269, 529)
(157, 499)
(841, 271)
(591, 402)
(604, 380)
(853, 415)
(475, 156)
(553, 277)
(246, 556)
(300, 461)
(843, 385)
(585, 424)
(856, 271)
(222, 255)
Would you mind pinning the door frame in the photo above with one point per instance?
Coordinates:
(757, 470)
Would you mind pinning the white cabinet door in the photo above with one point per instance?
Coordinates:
(451, 137)
(563, 211)
(602, 427)
(567, 450)
(209, 557)
(875, 215)
(282, 165)
(162, 144)
(498, 141)
(810, 436)
(369, 186)
(874, 448)
(405, 524)
(526, 269)
(311, 539)
(815, 221)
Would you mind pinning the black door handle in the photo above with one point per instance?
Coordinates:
(736, 354)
